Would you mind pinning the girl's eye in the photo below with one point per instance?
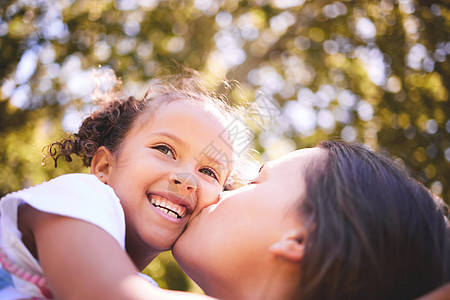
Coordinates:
(210, 173)
(166, 150)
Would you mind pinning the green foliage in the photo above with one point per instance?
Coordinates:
(165, 270)
(370, 71)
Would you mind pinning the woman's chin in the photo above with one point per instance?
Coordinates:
(181, 251)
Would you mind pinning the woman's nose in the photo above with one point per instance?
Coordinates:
(183, 182)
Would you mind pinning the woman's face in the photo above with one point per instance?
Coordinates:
(228, 243)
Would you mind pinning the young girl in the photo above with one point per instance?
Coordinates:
(152, 169)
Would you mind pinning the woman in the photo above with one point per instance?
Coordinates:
(332, 222)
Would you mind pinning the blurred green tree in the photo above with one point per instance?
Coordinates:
(375, 72)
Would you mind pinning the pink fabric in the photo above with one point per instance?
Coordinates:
(18, 271)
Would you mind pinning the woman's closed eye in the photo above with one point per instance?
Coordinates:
(165, 149)
(255, 180)
(210, 172)
(252, 181)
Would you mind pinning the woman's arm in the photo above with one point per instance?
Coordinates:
(82, 261)
(442, 293)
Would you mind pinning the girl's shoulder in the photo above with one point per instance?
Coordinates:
(79, 196)
(73, 181)
(68, 186)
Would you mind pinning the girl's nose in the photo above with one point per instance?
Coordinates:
(183, 182)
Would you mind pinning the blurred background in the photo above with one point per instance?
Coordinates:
(370, 71)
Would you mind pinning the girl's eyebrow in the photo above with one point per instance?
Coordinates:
(223, 168)
(171, 136)
(216, 161)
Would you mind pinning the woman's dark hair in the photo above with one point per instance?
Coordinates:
(111, 121)
(374, 231)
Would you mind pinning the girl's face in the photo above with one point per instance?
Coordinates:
(227, 245)
(172, 163)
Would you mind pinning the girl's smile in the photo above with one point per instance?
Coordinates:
(171, 204)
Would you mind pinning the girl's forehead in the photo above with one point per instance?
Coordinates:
(161, 107)
(191, 106)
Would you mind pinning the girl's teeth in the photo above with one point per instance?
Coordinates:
(171, 209)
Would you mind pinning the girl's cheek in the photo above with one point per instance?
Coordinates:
(210, 197)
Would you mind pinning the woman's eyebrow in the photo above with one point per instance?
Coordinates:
(260, 169)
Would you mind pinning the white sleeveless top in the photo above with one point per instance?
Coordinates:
(79, 196)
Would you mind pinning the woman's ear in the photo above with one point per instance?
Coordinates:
(290, 248)
(101, 164)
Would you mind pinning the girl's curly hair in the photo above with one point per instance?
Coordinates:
(106, 126)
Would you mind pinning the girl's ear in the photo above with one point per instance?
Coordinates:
(291, 248)
(101, 163)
